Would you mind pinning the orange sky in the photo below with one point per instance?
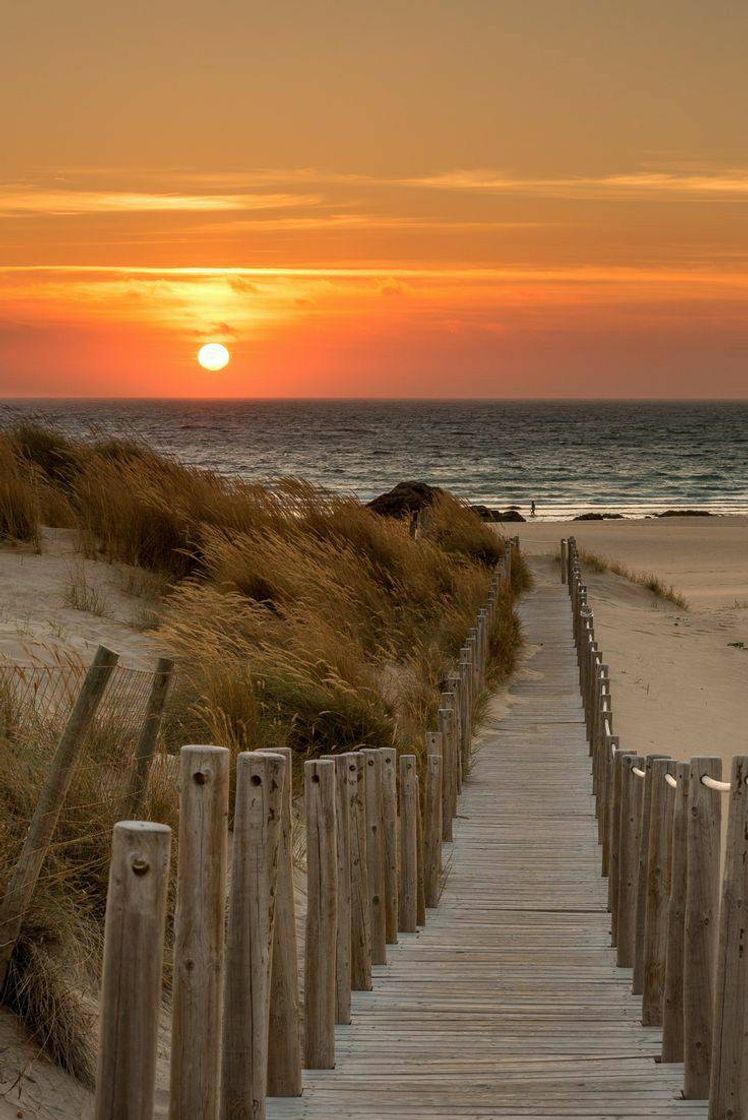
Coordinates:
(536, 198)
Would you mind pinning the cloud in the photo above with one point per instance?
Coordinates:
(729, 184)
(49, 201)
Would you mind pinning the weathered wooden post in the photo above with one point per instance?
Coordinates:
(321, 915)
(360, 907)
(449, 791)
(672, 1001)
(728, 1094)
(284, 1049)
(389, 826)
(620, 763)
(632, 790)
(375, 854)
(658, 892)
(145, 748)
(564, 560)
(421, 880)
(258, 813)
(637, 986)
(343, 930)
(25, 874)
(433, 831)
(408, 844)
(199, 920)
(701, 923)
(131, 983)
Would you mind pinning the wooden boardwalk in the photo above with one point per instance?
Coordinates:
(509, 1003)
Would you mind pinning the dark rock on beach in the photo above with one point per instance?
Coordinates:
(685, 513)
(487, 514)
(599, 517)
(404, 499)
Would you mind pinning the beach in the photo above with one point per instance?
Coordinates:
(678, 677)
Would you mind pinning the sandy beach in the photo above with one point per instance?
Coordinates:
(678, 676)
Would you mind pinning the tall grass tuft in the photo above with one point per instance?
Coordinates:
(648, 580)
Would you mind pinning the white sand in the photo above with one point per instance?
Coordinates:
(37, 620)
(678, 685)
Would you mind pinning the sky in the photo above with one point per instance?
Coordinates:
(490, 198)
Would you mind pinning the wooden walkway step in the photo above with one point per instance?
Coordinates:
(509, 1003)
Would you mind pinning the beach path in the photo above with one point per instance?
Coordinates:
(509, 1003)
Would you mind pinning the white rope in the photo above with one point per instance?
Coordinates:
(671, 781)
(639, 773)
(713, 783)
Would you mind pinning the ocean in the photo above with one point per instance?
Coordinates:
(630, 457)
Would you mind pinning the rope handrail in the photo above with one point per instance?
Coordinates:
(714, 783)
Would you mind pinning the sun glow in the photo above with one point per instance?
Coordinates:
(213, 356)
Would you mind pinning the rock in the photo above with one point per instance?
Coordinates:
(487, 514)
(599, 517)
(404, 499)
(685, 513)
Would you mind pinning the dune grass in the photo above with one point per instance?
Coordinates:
(296, 616)
(649, 580)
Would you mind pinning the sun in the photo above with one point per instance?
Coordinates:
(213, 356)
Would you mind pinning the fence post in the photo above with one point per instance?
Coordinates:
(199, 933)
(728, 1096)
(564, 560)
(375, 854)
(254, 865)
(421, 881)
(672, 1000)
(637, 986)
(408, 844)
(620, 763)
(360, 918)
(702, 912)
(145, 747)
(343, 934)
(632, 790)
(433, 802)
(284, 1052)
(449, 793)
(321, 915)
(389, 825)
(658, 892)
(23, 878)
(131, 983)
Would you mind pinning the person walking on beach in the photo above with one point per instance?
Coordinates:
(532, 509)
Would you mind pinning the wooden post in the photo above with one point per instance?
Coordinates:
(701, 922)
(421, 881)
(564, 560)
(23, 878)
(284, 1048)
(131, 983)
(343, 935)
(449, 793)
(728, 1095)
(433, 831)
(389, 825)
(258, 813)
(199, 920)
(375, 855)
(632, 790)
(321, 915)
(620, 764)
(637, 986)
(672, 1001)
(145, 747)
(408, 844)
(658, 892)
(360, 917)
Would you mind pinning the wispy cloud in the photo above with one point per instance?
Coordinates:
(731, 184)
(33, 200)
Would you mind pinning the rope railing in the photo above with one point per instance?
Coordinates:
(375, 827)
(680, 931)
